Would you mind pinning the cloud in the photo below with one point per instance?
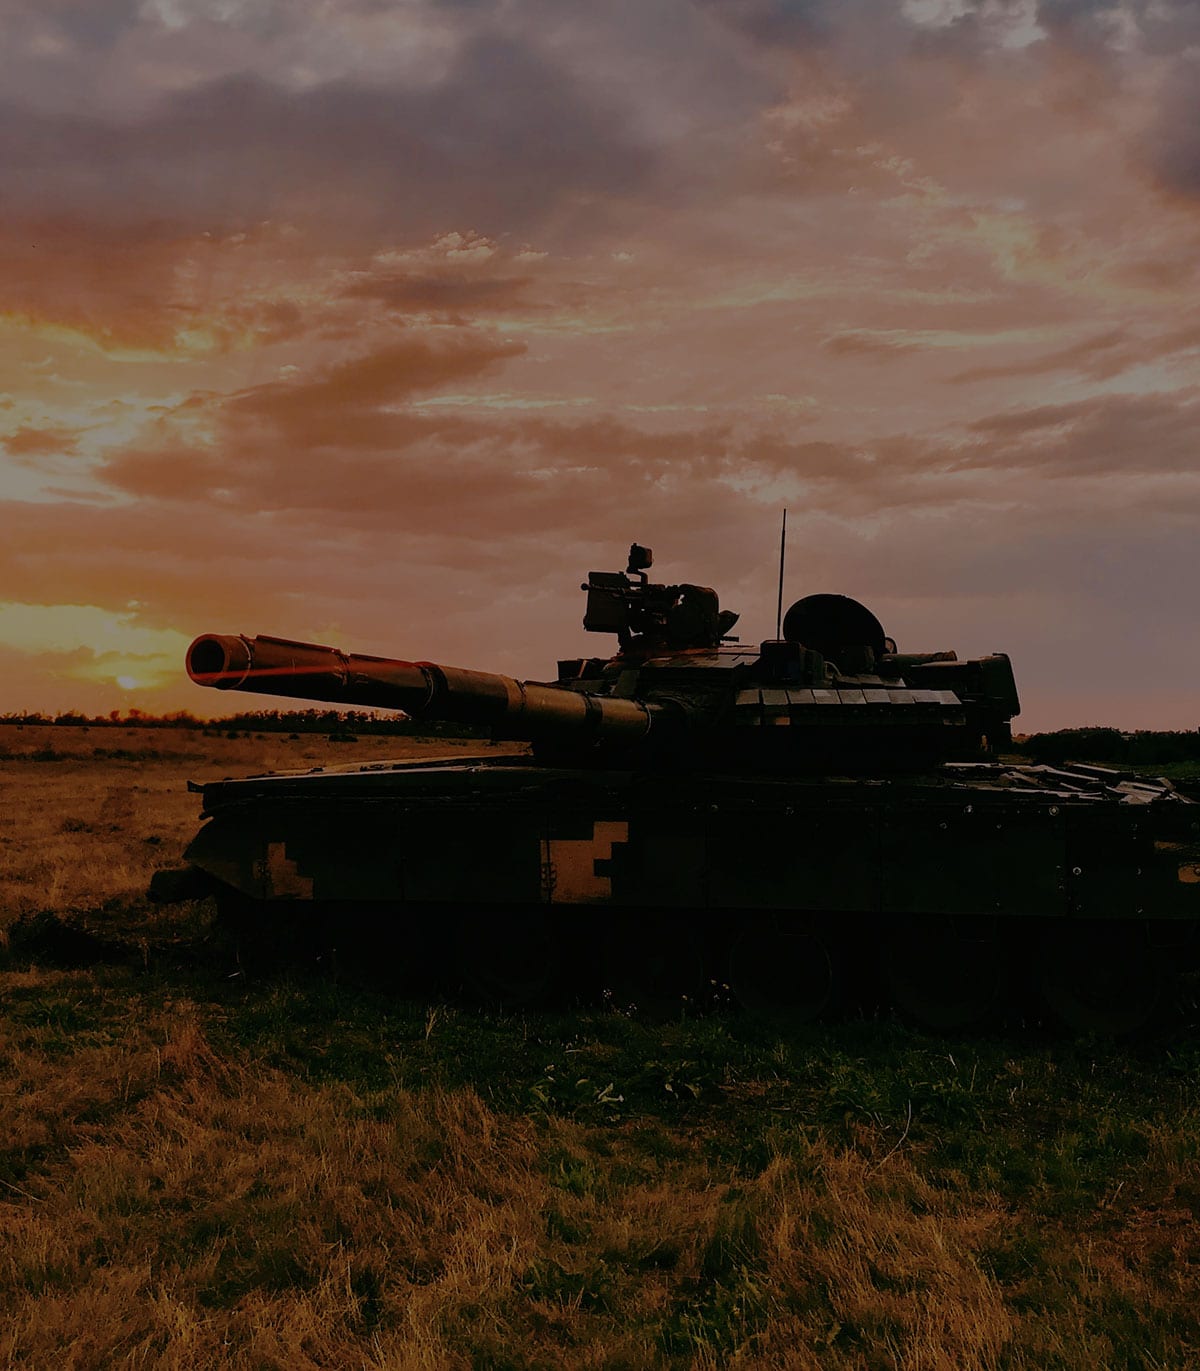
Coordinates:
(1174, 139)
(91, 27)
(118, 288)
(1102, 356)
(29, 441)
(498, 144)
(160, 222)
(806, 24)
(1127, 436)
(1093, 23)
(453, 295)
(381, 377)
(343, 448)
(871, 343)
(435, 475)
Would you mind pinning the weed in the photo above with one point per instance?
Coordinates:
(717, 1319)
(590, 1288)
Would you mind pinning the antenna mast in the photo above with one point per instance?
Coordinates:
(779, 601)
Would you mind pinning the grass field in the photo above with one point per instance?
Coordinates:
(200, 1170)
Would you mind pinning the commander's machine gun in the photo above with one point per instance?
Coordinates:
(645, 615)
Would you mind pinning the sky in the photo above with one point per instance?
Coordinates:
(380, 323)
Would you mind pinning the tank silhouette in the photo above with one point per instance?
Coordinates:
(797, 820)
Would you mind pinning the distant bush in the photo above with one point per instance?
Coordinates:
(258, 722)
(131, 754)
(1139, 749)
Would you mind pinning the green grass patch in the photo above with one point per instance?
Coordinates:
(701, 1192)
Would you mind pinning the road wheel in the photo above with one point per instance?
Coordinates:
(786, 968)
(944, 973)
(1103, 976)
(508, 959)
(655, 966)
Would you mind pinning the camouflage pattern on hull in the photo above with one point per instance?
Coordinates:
(968, 841)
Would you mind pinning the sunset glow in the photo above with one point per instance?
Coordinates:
(382, 324)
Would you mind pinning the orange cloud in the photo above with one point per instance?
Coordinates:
(28, 441)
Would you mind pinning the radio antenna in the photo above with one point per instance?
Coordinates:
(779, 601)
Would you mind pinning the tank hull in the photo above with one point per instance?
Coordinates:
(980, 840)
(975, 876)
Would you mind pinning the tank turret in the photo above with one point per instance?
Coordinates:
(679, 690)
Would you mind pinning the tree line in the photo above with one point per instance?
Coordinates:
(323, 721)
(1143, 747)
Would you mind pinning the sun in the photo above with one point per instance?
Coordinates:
(128, 682)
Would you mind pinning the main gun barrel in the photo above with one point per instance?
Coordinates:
(424, 690)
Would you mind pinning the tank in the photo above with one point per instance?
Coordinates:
(805, 823)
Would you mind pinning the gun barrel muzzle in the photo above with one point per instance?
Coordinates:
(307, 671)
(511, 709)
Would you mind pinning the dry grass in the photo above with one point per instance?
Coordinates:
(198, 1172)
(170, 1204)
(87, 814)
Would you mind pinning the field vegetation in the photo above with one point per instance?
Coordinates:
(202, 1168)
